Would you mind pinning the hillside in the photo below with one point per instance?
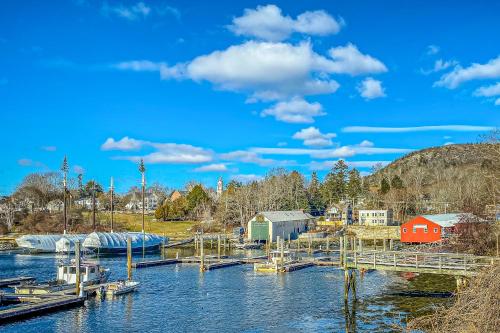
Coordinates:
(461, 177)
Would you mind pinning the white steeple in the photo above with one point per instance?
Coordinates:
(220, 186)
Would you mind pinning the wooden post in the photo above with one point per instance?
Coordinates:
(211, 243)
(129, 258)
(162, 249)
(310, 244)
(327, 244)
(282, 254)
(391, 244)
(360, 245)
(394, 259)
(218, 246)
(346, 285)
(385, 244)
(77, 265)
(416, 260)
(374, 260)
(440, 262)
(374, 244)
(202, 255)
(225, 244)
(353, 284)
(341, 248)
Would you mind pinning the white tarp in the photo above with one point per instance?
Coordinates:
(118, 240)
(67, 243)
(38, 243)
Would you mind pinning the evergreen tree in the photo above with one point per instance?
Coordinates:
(384, 186)
(397, 183)
(354, 184)
(334, 186)
(314, 198)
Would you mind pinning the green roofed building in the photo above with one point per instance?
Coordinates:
(269, 225)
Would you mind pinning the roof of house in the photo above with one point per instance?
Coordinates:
(286, 215)
(450, 219)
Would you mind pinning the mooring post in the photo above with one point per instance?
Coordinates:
(77, 265)
(283, 254)
(202, 255)
(218, 246)
(278, 248)
(346, 285)
(341, 248)
(225, 244)
(385, 244)
(353, 283)
(162, 249)
(391, 244)
(129, 258)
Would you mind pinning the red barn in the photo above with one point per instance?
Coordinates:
(420, 230)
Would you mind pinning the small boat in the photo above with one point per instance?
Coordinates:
(277, 262)
(118, 288)
(90, 273)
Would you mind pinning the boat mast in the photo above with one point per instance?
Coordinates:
(112, 192)
(64, 169)
(142, 170)
(93, 205)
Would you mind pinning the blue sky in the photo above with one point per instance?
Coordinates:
(233, 88)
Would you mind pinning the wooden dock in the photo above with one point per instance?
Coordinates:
(151, 263)
(179, 243)
(42, 306)
(16, 281)
(222, 264)
(297, 266)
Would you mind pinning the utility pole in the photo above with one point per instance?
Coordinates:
(142, 170)
(111, 194)
(93, 205)
(64, 169)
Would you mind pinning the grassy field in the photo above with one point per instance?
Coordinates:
(133, 222)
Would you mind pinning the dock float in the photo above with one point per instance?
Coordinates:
(41, 307)
(297, 266)
(223, 264)
(16, 281)
(151, 263)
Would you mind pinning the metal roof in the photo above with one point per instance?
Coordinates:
(450, 219)
(286, 215)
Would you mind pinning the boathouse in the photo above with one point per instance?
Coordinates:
(434, 228)
(269, 225)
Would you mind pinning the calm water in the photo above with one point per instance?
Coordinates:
(178, 298)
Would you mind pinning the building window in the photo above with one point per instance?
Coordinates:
(404, 230)
(425, 230)
(435, 230)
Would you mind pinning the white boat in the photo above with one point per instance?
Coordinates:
(277, 262)
(67, 243)
(119, 288)
(90, 273)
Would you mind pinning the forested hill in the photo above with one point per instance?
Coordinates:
(463, 176)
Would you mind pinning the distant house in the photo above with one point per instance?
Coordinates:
(86, 203)
(434, 228)
(376, 217)
(269, 225)
(339, 214)
(151, 201)
(55, 206)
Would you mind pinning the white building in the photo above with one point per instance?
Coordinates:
(376, 217)
(269, 225)
(220, 187)
(55, 206)
(86, 203)
(151, 201)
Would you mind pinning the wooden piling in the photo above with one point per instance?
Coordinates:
(346, 285)
(77, 265)
(353, 284)
(129, 258)
(218, 246)
(391, 244)
(327, 244)
(341, 248)
(385, 244)
(202, 255)
(360, 245)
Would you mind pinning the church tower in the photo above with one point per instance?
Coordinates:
(220, 187)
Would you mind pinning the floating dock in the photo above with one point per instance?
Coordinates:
(42, 306)
(151, 263)
(297, 266)
(16, 281)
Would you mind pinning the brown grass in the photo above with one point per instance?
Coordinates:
(476, 308)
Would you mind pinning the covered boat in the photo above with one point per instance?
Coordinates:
(66, 244)
(38, 243)
(116, 242)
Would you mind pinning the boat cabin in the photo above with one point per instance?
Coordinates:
(89, 273)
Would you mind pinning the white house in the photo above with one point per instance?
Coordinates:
(87, 203)
(376, 217)
(55, 206)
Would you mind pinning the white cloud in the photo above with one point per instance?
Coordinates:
(296, 111)
(138, 11)
(341, 152)
(312, 136)
(432, 49)
(49, 148)
(366, 143)
(268, 23)
(459, 75)
(140, 66)
(216, 167)
(348, 60)
(247, 157)
(440, 65)
(488, 91)
(453, 128)
(78, 169)
(371, 88)
(326, 165)
(247, 178)
(124, 143)
(133, 12)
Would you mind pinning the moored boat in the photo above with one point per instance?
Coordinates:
(276, 264)
(118, 288)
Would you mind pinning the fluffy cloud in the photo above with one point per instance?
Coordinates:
(165, 153)
(371, 88)
(296, 111)
(440, 65)
(366, 143)
(312, 136)
(340, 152)
(488, 91)
(140, 66)
(124, 143)
(459, 75)
(268, 23)
(453, 128)
(349, 60)
(215, 167)
(247, 157)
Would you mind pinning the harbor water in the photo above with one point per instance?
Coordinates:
(178, 298)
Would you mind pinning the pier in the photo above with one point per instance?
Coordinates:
(16, 281)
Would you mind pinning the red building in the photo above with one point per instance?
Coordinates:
(420, 230)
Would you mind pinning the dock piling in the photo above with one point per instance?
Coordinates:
(202, 255)
(218, 246)
(77, 265)
(129, 258)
